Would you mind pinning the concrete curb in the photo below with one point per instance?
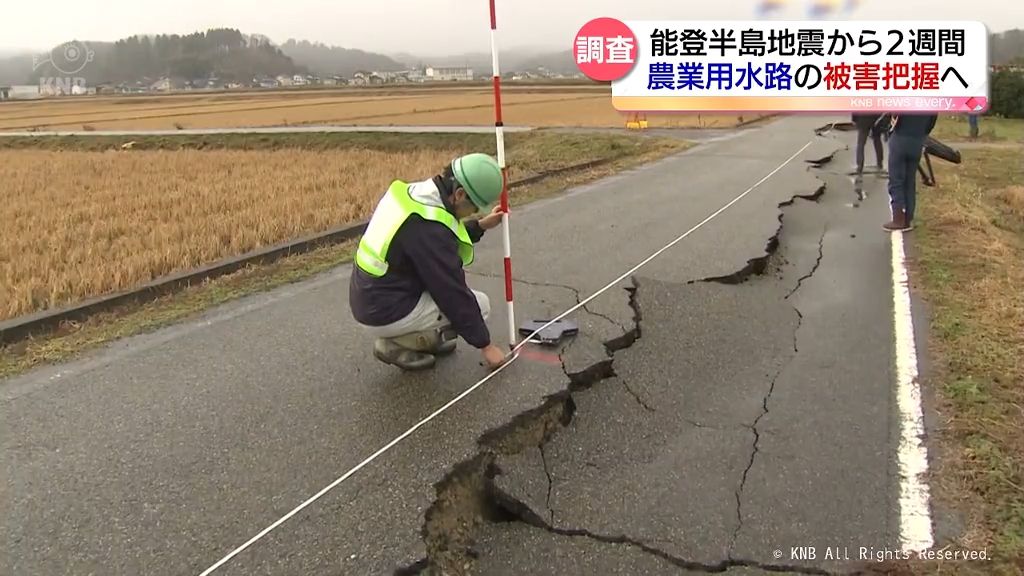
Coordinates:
(22, 327)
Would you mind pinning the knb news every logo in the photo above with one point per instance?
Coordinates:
(788, 66)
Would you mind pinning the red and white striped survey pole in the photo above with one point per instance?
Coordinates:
(504, 187)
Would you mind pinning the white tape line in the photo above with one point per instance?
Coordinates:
(514, 356)
(345, 476)
(915, 515)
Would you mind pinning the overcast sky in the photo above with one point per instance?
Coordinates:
(423, 27)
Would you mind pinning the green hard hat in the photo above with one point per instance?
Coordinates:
(480, 175)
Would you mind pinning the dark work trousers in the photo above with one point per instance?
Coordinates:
(863, 131)
(904, 157)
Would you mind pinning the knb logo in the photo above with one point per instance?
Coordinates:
(67, 59)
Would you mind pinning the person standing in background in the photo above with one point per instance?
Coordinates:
(867, 125)
(972, 119)
(907, 134)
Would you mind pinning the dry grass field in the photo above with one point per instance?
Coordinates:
(969, 266)
(86, 223)
(81, 223)
(583, 106)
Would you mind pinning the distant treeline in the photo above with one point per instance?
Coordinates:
(223, 53)
(326, 61)
(1007, 47)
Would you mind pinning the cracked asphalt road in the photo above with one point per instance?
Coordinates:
(783, 441)
(733, 415)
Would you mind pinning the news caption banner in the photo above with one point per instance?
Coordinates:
(788, 66)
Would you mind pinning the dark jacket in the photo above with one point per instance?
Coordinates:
(865, 121)
(915, 125)
(423, 257)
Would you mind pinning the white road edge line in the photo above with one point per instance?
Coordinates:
(915, 514)
(514, 357)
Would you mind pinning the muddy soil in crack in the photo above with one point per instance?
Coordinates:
(467, 498)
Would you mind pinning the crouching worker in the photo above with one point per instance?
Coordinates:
(408, 287)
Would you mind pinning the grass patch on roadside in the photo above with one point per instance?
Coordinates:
(990, 129)
(379, 141)
(539, 152)
(970, 268)
(527, 153)
(129, 320)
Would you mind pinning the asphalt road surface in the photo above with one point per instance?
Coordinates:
(733, 398)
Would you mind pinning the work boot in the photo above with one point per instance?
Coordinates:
(423, 341)
(898, 222)
(449, 338)
(390, 352)
(441, 341)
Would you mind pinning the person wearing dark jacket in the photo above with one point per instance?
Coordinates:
(408, 287)
(867, 126)
(907, 134)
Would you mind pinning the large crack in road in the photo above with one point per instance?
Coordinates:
(772, 249)
(759, 267)
(470, 497)
(467, 496)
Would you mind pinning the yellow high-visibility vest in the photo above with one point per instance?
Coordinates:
(391, 212)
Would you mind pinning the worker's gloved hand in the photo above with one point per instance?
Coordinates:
(493, 219)
(494, 357)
